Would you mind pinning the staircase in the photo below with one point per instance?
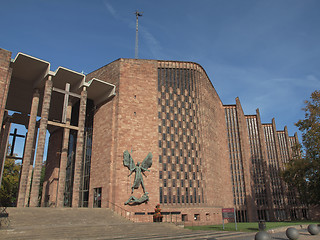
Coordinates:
(68, 223)
(88, 223)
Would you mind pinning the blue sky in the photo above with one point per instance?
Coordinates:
(265, 52)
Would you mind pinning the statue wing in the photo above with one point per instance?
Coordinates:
(147, 162)
(128, 161)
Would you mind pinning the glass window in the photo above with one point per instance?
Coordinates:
(160, 195)
(97, 193)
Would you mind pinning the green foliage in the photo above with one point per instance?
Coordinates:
(303, 171)
(10, 183)
(295, 175)
(310, 127)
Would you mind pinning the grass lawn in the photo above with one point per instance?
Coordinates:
(248, 226)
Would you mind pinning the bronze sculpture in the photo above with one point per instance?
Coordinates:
(133, 200)
(138, 169)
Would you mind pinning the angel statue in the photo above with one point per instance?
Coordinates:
(138, 169)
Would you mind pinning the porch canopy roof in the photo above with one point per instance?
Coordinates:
(29, 73)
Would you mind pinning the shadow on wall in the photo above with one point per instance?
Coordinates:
(314, 212)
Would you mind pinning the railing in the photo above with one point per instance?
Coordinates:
(121, 211)
(171, 217)
(4, 217)
(167, 217)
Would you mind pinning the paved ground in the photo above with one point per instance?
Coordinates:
(304, 235)
(48, 223)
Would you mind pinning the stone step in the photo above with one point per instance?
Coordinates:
(84, 223)
(19, 216)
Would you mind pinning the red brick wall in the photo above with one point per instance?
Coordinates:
(103, 143)
(214, 149)
(5, 76)
(52, 167)
(130, 122)
(137, 129)
(207, 215)
(247, 165)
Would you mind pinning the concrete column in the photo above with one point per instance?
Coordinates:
(28, 156)
(288, 143)
(26, 202)
(5, 79)
(2, 125)
(4, 145)
(64, 159)
(79, 148)
(51, 178)
(264, 156)
(281, 167)
(277, 145)
(247, 164)
(286, 193)
(41, 143)
(297, 142)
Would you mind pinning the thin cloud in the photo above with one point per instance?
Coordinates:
(278, 97)
(152, 43)
(110, 9)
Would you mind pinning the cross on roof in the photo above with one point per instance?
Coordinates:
(15, 135)
(67, 94)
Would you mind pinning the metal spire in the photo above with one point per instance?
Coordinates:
(138, 14)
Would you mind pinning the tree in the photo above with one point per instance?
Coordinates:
(303, 171)
(10, 183)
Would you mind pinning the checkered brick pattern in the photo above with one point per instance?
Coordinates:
(180, 159)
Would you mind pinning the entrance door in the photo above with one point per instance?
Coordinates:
(97, 197)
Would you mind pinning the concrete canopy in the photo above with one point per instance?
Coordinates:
(99, 91)
(29, 73)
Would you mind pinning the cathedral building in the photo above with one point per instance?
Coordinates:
(136, 133)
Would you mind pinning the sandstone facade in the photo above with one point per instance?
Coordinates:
(206, 155)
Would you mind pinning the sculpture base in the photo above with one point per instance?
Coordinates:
(157, 219)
